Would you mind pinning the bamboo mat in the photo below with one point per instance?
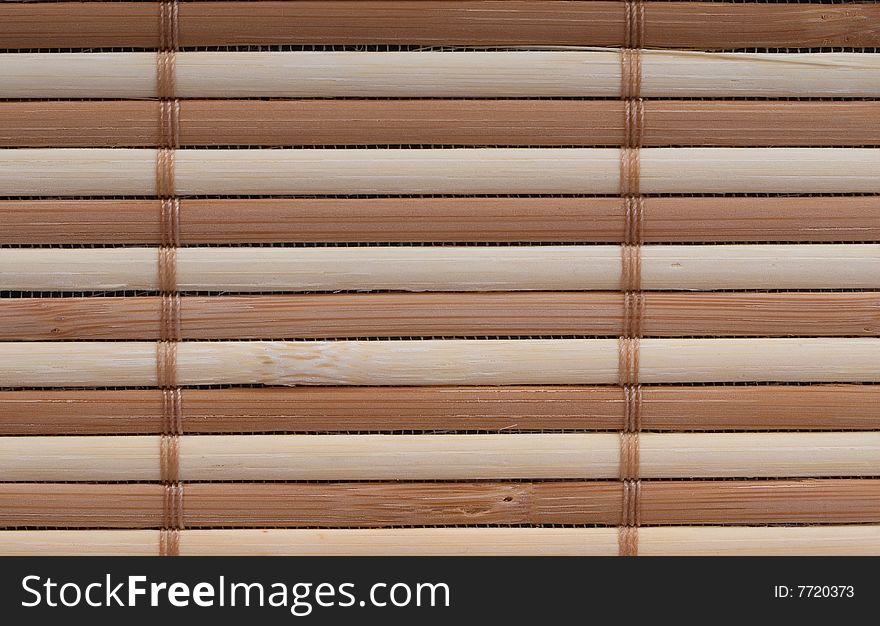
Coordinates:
(424, 277)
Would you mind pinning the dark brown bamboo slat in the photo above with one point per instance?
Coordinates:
(316, 316)
(547, 219)
(439, 122)
(365, 504)
(481, 22)
(341, 409)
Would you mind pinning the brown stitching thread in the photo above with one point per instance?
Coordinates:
(634, 220)
(630, 72)
(172, 519)
(166, 73)
(169, 451)
(631, 267)
(632, 408)
(630, 171)
(628, 361)
(166, 364)
(173, 505)
(628, 540)
(169, 542)
(633, 313)
(170, 222)
(169, 123)
(629, 456)
(634, 24)
(168, 25)
(170, 240)
(632, 493)
(633, 122)
(631, 275)
(172, 411)
(169, 42)
(167, 260)
(170, 314)
(165, 187)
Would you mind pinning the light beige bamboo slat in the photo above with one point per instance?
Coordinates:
(442, 457)
(446, 268)
(856, 540)
(441, 362)
(672, 73)
(132, 171)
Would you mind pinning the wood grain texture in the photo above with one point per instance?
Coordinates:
(366, 504)
(558, 219)
(135, 123)
(853, 540)
(445, 268)
(420, 171)
(327, 316)
(679, 25)
(442, 457)
(469, 408)
(433, 74)
(441, 362)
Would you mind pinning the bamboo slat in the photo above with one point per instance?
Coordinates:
(440, 362)
(680, 24)
(260, 220)
(132, 171)
(317, 316)
(571, 73)
(134, 123)
(365, 505)
(335, 409)
(445, 268)
(442, 457)
(857, 540)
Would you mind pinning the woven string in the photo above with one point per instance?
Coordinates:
(630, 72)
(631, 275)
(631, 499)
(168, 45)
(628, 361)
(631, 268)
(634, 18)
(633, 313)
(632, 408)
(634, 219)
(169, 541)
(169, 316)
(168, 25)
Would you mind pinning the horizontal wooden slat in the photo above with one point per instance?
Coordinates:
(593, 23)
(221, 220)
(462, 171)
(316, 316)
(442, 457)
(432, 74)
(853, 540)
(135, 123)
(364, 504)
(445, 268)
(440, 362)
(334, 409)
